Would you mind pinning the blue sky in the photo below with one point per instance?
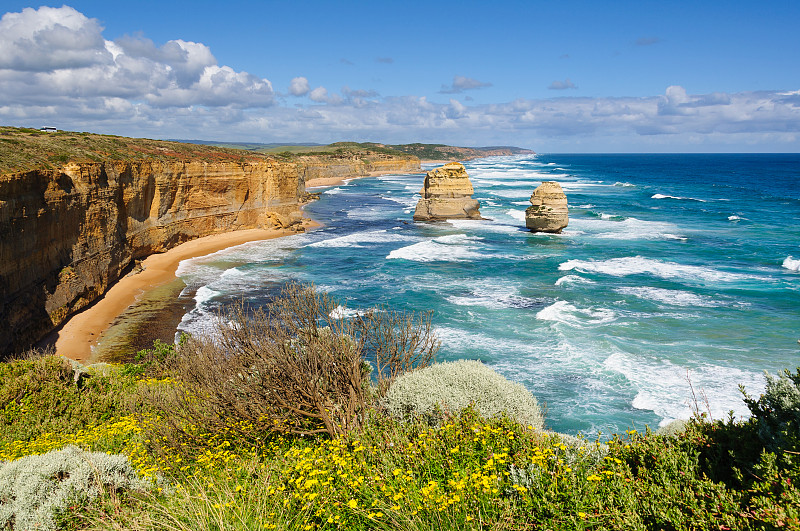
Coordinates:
(562, 76)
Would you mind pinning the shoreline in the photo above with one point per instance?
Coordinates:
(76, 337)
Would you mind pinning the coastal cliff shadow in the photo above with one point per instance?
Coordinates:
(49, 339)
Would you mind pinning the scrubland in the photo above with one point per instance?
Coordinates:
(291, 418)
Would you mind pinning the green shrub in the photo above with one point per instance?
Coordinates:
(152, 362)
(452, 386)
(50, 395)
(294, 366)
(777, 411)
(36, 490)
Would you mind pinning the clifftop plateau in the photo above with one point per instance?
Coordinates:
(438, 152)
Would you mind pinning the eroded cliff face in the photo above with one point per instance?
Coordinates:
(354, 166)
(447, 194)
(66, 235)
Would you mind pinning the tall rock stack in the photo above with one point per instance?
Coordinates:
(548, 211)
(447, 194)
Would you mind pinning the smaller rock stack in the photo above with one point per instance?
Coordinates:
(447, 194)
(548, 210)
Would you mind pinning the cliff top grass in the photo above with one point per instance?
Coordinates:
(445, 152)
(366, 150)
(26, 149)
(371, 149)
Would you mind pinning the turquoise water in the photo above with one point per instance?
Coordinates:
(674, 268)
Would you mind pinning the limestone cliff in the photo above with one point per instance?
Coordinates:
(447, 194)
(67, 234)
(548, 211)
(350, 166)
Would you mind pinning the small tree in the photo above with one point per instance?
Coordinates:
(295, 366)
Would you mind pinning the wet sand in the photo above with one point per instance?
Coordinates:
(155, 286)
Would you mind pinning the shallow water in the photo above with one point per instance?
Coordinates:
(674, 268)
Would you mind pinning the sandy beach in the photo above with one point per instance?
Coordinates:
(76, 337)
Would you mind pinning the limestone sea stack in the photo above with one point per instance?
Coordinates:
(447, 194)
(548, 210)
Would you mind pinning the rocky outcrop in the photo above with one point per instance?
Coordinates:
(66, 235)
(548, 210)
(447, 194)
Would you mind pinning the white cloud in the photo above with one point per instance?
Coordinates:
(462, 83)
(455, 110)
(562, 85)
(58, 56)
(299, 86)
(319, 94)
(49, 38)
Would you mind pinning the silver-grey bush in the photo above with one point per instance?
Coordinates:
(452, 386)
(34, 489)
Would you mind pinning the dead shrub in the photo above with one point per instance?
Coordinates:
(295, 366)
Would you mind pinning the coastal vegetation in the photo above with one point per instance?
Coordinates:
(421, 151)
(444, 152)
(213, 447)
(24, 149)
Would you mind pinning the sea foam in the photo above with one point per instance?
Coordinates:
(613, 227)
(494, 294)
(662, 196)
(666, 388)
(519, 215)
(638, 265)
(452, 248)
(573, 279)
(668, 296)
(566, 313)
(791, 264)
(358, 239)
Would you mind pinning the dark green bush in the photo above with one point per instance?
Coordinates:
(777, 411)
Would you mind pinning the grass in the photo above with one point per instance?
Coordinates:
(23, 149)
(444, 152)
(468, 472)
(28, 149)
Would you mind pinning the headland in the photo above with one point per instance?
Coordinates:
(79, 211)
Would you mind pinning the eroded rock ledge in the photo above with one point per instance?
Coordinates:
(447, 194)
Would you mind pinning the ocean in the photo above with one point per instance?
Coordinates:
(677, 279)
